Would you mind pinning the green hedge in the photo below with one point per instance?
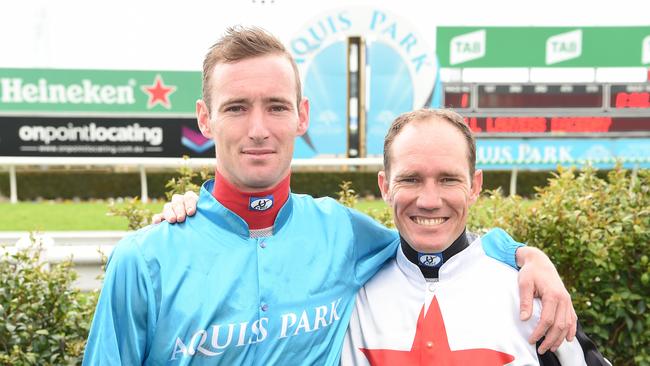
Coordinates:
(86, 185)
(83, 185)
(43, 320)
(597, 232)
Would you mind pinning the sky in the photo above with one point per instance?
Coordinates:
(174, 35)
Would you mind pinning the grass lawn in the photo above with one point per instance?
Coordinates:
(73, 216)
(370, 205)
(61, 216)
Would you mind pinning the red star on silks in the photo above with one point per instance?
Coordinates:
(159, 93)
(430, 347)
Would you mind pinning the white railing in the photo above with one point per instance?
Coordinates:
(11, 162)
(87, 249)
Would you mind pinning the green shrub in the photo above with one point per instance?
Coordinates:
(597, 232)
(136, 214)
(349, 197)
(43, 320)
(187, 180)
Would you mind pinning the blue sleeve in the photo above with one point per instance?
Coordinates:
(499, 245)
(374, 245)
(123, 320)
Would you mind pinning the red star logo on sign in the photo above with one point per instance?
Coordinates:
(430, 347)
(159, 93)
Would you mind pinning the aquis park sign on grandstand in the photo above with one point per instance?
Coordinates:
(361, 67)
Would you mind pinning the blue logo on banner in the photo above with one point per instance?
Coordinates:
(401, 75)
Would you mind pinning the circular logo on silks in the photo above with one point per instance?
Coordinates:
(430, 260)
(260, 203)
(401, 75)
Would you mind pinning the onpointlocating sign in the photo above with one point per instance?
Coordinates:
(102, 137)
(99, 91)
(543, 46)
(502, 154)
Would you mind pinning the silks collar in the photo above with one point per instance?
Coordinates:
(258, 209)
(430, 263)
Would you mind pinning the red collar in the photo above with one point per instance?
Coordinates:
(253, 207)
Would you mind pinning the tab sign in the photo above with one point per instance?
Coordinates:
(563, 47)
(467, 47)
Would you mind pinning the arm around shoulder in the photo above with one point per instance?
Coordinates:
(499, 245)
(374, 245)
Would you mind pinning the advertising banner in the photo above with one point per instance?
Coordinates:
(558, 124)
(401, 74)
(99, 91)
(102, 137)
(547, 154)
(543, 46)
(160, 100)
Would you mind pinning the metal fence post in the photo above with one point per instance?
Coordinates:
(13, 188)
(144, 194)
(513, 181)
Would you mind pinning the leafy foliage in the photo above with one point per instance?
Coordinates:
(349, 197)
(138, 216)
(186, 181)
(43, 320)
(134, 211)
(597, 232)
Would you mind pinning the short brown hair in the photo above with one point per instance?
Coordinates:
(425, 114)
(240, 43)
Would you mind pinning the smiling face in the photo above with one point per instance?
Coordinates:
(253, 120)
(429, 186)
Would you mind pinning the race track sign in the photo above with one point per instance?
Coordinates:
(548, 153)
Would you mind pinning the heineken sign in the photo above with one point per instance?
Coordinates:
(99, 91)
(543, 46)
(15, 91)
